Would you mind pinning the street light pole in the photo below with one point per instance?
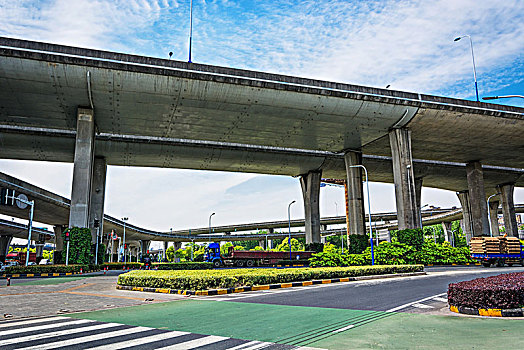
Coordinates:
(369, 210)
(489, 214)
(341, 233)
(125, 257)
(210, 223)
(289, 224)
(473, 59)
(497, 97)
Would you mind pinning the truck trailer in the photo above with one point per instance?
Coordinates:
(249, 258)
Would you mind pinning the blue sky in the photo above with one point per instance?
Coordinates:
(406, 44)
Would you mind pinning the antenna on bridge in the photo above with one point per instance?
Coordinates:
(190, 28)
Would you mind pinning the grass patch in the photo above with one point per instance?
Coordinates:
(212, 279)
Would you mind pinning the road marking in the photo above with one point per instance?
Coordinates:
(422, 306)
(414, 302)
(88, 338)
(251, 345)
(141, 341)
(343, 329)
(37, 328)
(57, 333)
(38, 320)
(192, 344)
(444, 300)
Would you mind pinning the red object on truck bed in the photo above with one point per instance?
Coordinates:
(20, 257)
(251, 258)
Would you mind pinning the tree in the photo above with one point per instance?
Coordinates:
(295, 245)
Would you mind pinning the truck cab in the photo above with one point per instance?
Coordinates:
(212, 255)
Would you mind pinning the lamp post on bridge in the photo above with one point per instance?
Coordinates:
(124, 220)
(505, 96)
(489, 214)
(473, 59)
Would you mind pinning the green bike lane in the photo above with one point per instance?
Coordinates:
(320, 327)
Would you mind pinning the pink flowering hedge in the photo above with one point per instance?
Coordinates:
(504, 291)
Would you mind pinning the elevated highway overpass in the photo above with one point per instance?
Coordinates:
(98, 108)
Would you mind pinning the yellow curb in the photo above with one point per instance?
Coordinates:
(326, 281)
(453, 308)
(239, 290)
(221, 291)
(30, 275)
(490, 312)
(263, 287)
(44, 274)
(286, 285)
(162, 290)
(56, 274)
(344, 279)
(307, 283)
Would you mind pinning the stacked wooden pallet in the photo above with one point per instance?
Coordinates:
(492, 245)
(510, 245)
(477, 245)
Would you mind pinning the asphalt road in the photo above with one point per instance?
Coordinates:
(378, 295)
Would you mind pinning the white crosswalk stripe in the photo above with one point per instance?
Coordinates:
(26, 322)
(57, 333)
(140, 341)
(193, 344)
(42, 327)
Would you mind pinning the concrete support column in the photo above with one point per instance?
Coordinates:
(477, 199)
(418, 191)
(355, 191)
(144, 246)
(446, 226)
(98, 190)
(408, 211)
(5, 241)
(466, 215)
(166, 245)
(508, 209)
(83, 169)
(310, 184)
(59, 241)
(494, 217)
(39, 245)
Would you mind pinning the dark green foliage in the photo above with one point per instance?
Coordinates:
(412, 237)
(119, 265)
(58, 257)
(504, 291)
(46, 269)
(101, 252)
(79, 245)
(184, 266)
(314, 247)
(294, 262)
(357, 243)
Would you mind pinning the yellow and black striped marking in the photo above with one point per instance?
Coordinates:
(518, 312)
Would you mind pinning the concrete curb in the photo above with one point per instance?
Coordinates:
(48, 274)
(519, 312)
(210, 292)
(447, 265)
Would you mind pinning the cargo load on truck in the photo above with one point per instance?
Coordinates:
(497, 250)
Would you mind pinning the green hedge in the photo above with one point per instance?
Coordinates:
(184, 266)
(45, 269)
(294, 262)
(211, 279)
(120, 265)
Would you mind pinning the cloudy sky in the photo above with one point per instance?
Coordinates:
(405, 44)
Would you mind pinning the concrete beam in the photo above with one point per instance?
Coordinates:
(310, 184)
(98, 189)
(446, 226)
(5, 241)
(477, 199)
(494, 217)
(466, 214)
(355, 198)
(508, 209)
(83, 169)
(404, 179)
(59, 241)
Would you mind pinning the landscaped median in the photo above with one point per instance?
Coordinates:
(501, 295)
(209, 282)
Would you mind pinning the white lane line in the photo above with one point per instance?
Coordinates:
(422, 306)
(88, 338)
(444, 300)
(47, 326)
(57, 333)
(22, 323)
(246, 345)
(343, 329)
(260, 345)
(415, 302)
(192, 344)
(140, 341)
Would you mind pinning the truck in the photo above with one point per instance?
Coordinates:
(249, 258)
(497, 250)
(487, 259)
(20, 257)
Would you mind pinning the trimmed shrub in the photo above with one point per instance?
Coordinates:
(120, 265)
(504, 291)
(184, 266)
(211, 279)
(45, 269)
(412, 237)
(315, 247)
(294, 262)
(79, 246)
(357, 243)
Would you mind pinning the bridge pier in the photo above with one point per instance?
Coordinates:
(408, 210)
(39, 245)
(446, 227)
(355, 194)
(5, 241)
(494, 217)
(310, 184)
(98, 190)
(477, 199)
(463, 197)
(82, 169)
(58, 255)
(144, 247)
(508, 209)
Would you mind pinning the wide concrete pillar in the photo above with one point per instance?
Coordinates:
(144, 246)
(355, 194)
(508, 209)
(59, 240)
(39, 245)
(418, 191)
(408, 211)
(463, 197)
(5, 241)
(477, 199)
(446, 227)
(83, 169)
(494, 217)
(310, 184)
(98, 189)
